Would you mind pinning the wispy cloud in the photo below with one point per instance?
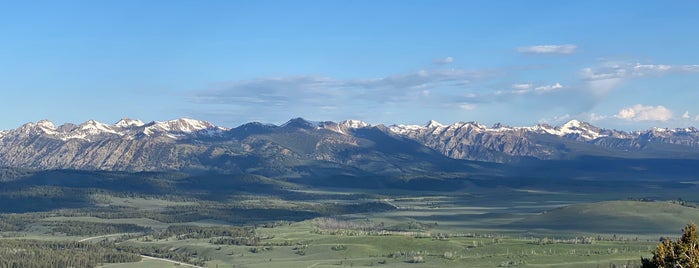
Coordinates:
(613, 70)
(640, 112)
(442, 61)
(609, 75)
(548, 49)
(282, 97)
(521, 89)
(440, 91)
(548, 88)
(522, 86)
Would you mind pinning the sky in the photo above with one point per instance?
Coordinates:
(626, 65)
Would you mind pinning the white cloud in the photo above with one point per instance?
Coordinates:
(446, 60)
(548, 88)
(521, 86)
(685, 115)
(548, 49)
(696, 118)
(640, 112)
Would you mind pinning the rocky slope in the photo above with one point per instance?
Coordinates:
(500, 143)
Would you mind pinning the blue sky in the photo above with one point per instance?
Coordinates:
(616, 64)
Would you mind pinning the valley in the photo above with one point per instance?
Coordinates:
(304, 194)
(218, 220)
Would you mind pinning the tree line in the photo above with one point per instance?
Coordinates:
(20, 253)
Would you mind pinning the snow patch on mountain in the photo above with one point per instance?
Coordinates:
(127, 123)
(405, 129)
(47, 127)
(178, 127)
(433, 124)
(573, 127)
(354, 124)
(129, 129)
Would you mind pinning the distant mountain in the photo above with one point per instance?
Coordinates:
(300, 148)
(295, 149)
(501, 143)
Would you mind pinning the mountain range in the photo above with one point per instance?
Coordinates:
(349, 147)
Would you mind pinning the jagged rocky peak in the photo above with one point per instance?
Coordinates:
(128, 123)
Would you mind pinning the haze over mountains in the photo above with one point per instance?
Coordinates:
(352, 146)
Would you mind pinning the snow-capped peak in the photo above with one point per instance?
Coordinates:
(187, 125)
(354, 124)
(573, 127)
(93, 127)
(46, 124)
(404, 129)
(179, 126)
(87, 129)
(127, 122)
(571, 124)
(433, 124)
(47, 127)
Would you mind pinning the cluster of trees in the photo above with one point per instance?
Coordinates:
(686, 203)
(200, 232)
(18, 253)
(241, 241)
(79, 228)
(682, 253)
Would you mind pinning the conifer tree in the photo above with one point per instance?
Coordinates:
(683, 253)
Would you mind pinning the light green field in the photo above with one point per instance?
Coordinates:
(385, 251)
(484, 247)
